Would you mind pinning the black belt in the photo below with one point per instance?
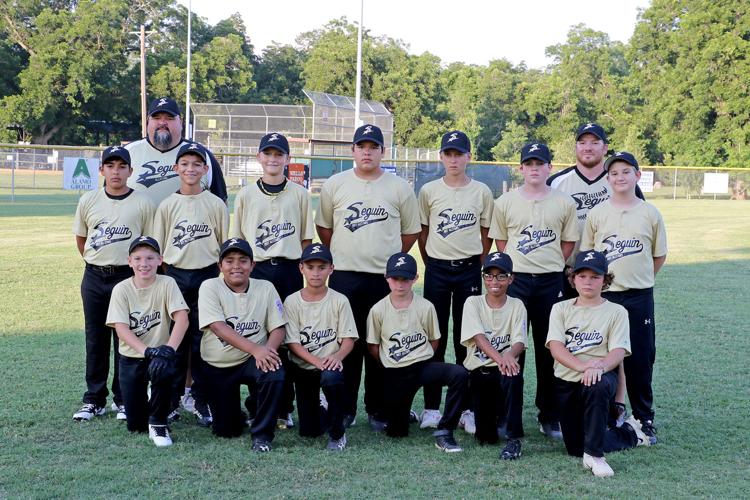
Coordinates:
(455, 263)
(275, 261)
(108, 269)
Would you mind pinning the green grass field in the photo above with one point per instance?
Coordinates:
(701, 390)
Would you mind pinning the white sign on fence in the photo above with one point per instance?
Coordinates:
(80, 173)
(646, 182)
(716, 183)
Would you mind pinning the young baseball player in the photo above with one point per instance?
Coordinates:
(243, 326)
(106, 222)
(365, 215)
(536, 226)
(589, 337)
(402, 334)
(191, 225)
(320, 333)
(455, 212)
(632, 235)
(275, 216)
(141, 312)
(494, 333)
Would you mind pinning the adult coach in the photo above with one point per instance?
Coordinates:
(155, 155)
(365, 216)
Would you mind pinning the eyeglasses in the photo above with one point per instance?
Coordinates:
(502, 278)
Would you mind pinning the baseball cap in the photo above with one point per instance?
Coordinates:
(316, 251)
(401, 265)
(164, 105)
(591, 259)
(192, 148)
(147, 241)
(499, 260)
(455, 139)
(370, 133)
(116, 152)
(274, 140)
(536, 150)
(591, 128)
(621, 156)
(235, 245)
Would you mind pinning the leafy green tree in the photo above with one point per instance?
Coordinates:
(278, 75)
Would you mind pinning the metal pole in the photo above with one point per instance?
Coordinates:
(358, 92)
(13, 179)
(188, 128)
(143, 80)
(674, 187)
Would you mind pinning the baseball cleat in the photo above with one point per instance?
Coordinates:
(261, 446)
(89, 411)
(202, 414)
(430, 418)
(647, 426)
(159, 434)
(512, 450)
(597, 465)
(120, 411)
(467, 422)
(337, 444)
(643, 439)
(446, 443)
(551, 430)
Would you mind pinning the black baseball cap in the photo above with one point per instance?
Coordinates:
(370, 133)
(192, 148)
(274, 140)
(316, 251)
(536, 150)
(499, 260)
(621, 156)
(144, 241)
(455, 139)
(164, 105)
(593, 129)
(235, 245)
(116, 152)
(401, 265)
(591, 259)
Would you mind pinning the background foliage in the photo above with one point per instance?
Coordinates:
(676, 93)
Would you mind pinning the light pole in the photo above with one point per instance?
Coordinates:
(358, 91)
(188, 128)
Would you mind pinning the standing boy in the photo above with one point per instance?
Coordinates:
(190, 225)
(455, 212)
(243, 326)
(106, 222)
(494, 333)
(140, 312)
(402, 334)
(536, 226)
(275, 216)
(365, 215)
(632, 235)
(320, 334)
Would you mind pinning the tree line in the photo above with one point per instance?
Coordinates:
(676, 93)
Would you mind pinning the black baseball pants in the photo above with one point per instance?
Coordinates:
(313, 419)
(496, 398)
(142, 411)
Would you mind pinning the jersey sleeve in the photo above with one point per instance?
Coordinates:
(291, 314)
(374, 325)
(239, 212)
(430, 323)
(587, 237)
(218, 185)
(471, 324)
(619, 335)
(308, 227)
(499, 224)
(660, 236)
(209, 305)
(175, 300)
(570, 222)
(80, 228)
(324, 216)
(274, 310)
(556, 325)
(223, 229)
(159, 228)
(118, 311)
(488, 204)
(424, 207)
(519, 332)
(347, 328)
(409, 213)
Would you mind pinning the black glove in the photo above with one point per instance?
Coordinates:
(159, 369)
(166, 352)
(150, 352)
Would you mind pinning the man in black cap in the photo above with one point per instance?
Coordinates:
(153, 157)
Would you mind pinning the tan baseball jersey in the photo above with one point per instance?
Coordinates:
(110, 224)
(454, 216)
(404, 335)
(147, 311)
(587, 332)
(191, 229)
(534, 229)
(153, 170)
(367, 218)
(630, 238)
(318, 326)
(502, 327)
(274, 225)
(252, 315)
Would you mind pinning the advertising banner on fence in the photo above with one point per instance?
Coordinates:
(298, 173)
(715, 183)
(81, 174)
(646, 182)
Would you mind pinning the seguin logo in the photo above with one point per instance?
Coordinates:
(270, 234)
(187, 233)
(450, 222)
(361, 216)
(153, 173)
(534, 238)
(404, 344)
(105, 234)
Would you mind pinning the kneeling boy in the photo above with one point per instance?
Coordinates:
(494, 333)
(320, 333)
(403, 333)
(243, 326)
(140, 313)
